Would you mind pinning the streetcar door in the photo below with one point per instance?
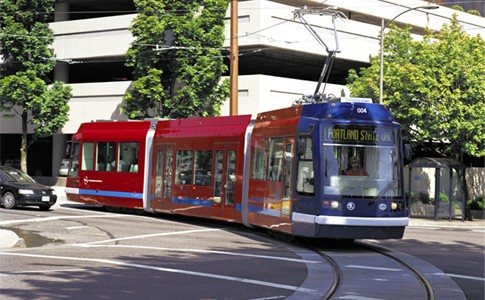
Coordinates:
(225, 158)
(288, 159)
(72, 181)
(163, 174)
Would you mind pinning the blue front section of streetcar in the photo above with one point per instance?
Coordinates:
(354, 185)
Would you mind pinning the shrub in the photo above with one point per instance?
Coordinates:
(478, 203)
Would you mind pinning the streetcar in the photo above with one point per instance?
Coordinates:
(324, 170)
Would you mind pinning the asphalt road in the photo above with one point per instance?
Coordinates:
(87, 253)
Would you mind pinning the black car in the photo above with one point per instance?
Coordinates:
(19, 189)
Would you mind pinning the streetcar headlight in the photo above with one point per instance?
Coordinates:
(26, 192)
(394, 206)
(331, 204)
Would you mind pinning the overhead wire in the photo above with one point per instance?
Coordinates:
(245, 35)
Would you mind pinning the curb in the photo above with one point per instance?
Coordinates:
(10, 239)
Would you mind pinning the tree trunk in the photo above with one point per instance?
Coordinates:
(23, 145)
(462, 180)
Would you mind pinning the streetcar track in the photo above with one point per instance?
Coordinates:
(428, 289)
(337, 288)
(337, 274)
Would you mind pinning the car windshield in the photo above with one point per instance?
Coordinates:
(18, 176)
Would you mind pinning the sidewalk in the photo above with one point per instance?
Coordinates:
(421, 222)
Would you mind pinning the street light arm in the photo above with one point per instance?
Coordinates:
(409, 9)
(381, 54)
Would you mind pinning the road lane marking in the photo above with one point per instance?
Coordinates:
(77, 227)
(168, 270)
(373, 268)
(152, 235)
(356, 297)
(270, 298)
(52, 271)
(460, 276)
(466, 277)
(204, 251)
(47, 219)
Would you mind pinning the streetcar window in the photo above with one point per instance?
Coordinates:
(203, 166)
(106, 156)
(168, 174)
(128, 157)
(158, 174)
(231, 176)
(218, 176)
(74, 161)
(88, 157)
(275, 159)
(259, 164)
(305, 181)
(287, 181)
(184, 167)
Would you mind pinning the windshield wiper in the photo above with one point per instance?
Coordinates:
(383, 191)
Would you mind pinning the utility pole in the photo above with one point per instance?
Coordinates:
(234, 59)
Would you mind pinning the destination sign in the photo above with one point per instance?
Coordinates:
(354, 134)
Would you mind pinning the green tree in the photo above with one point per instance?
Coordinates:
(471, 11)
(177, 61)
(434, 87)
(25, 38)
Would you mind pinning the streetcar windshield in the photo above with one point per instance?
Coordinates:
(361, 161)
(74, 161)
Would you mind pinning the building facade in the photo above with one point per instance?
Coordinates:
(279, 59)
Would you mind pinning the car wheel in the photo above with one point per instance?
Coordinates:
(44, 207)
(9, 200)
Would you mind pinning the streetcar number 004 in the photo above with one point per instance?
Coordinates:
(361, 110)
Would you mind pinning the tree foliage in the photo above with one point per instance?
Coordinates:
(177, 59)
(434, 87)
(25, 38)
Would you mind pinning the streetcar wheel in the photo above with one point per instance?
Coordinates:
(9, 200)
